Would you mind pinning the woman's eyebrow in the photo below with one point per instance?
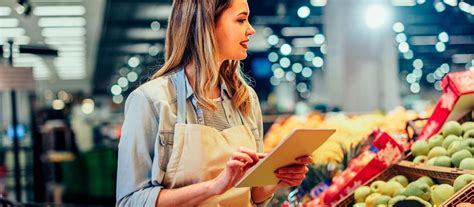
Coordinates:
(244, 13)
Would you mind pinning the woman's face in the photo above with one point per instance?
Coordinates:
(233, 30)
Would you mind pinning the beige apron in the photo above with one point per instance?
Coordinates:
(200, 153)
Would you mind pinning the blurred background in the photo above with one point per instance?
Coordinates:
(60, 122)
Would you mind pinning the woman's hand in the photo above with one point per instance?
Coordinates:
(293, 175)
(235, 168)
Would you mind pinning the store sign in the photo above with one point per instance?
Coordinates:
(16, 78)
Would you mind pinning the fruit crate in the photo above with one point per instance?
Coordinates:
(409, 155)
(436, 171)
(439, 174)
(457, 99)
(465, 195)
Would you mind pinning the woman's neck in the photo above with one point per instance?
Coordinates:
(190, 71)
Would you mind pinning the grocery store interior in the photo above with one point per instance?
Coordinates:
(390, 76)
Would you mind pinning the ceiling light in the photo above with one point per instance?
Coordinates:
(64, 40)
(5, 11)
(319, 39)
(87, 106)
(9, 22)
(118, 99)
(62, 22)
(398, 27)
(440, 47)
(133, 62)
(64, 32)
(451, 2)
(11, 32)
(72, 54)
(443, 37)
(376, 15)
(116, 90)
(439, 6)
(72, 48)
(403, 47)
(59, 11)
(58, 104)
(155, 25)
(285, 49)
(273, 40)
(303, 12)
(318, 3)
(299, 31)
(132, 76)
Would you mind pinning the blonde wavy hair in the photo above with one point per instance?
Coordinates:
(191, 38)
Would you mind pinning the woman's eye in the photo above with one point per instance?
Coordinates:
(242, 20)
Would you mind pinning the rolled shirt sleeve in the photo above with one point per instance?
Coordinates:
(136, 152)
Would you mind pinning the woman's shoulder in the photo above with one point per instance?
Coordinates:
(253, 95)
(160, 89)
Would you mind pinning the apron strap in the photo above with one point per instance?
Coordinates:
(241, 117)
(180, 86)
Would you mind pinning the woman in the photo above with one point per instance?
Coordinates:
(192, 131)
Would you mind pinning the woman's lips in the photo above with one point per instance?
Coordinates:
(244, 44)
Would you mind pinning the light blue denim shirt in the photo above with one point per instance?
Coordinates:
(147, 135)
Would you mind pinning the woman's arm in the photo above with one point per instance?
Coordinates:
(135, 185)
(261, 194)
(289, 176)
(185, 196)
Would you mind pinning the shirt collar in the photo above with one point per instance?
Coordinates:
(190, 91)
(225, 90)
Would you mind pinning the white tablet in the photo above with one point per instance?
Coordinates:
(299, 143)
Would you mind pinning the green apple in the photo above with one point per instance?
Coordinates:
(441, 193)
(401, 179)
(395, 199)
(437, 152)
(426, 180)
(466, 126)
(400, 192)
(391, 187)
(455, 147)
(435, 141)
(457, 157)
(433, 187)
(420, 159)
(424, 202)
(469, 134)
(449, 139)
(452, 127)
(420, 189)
(382, 200)
(431, 161)
(467, 164)
(443, 161)
(462, 181)
(361, 193)
(370, 200)
(420, 148)
(359, 205)
(377, 186)
(467, 144)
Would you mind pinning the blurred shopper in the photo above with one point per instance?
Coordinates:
(192, 131)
